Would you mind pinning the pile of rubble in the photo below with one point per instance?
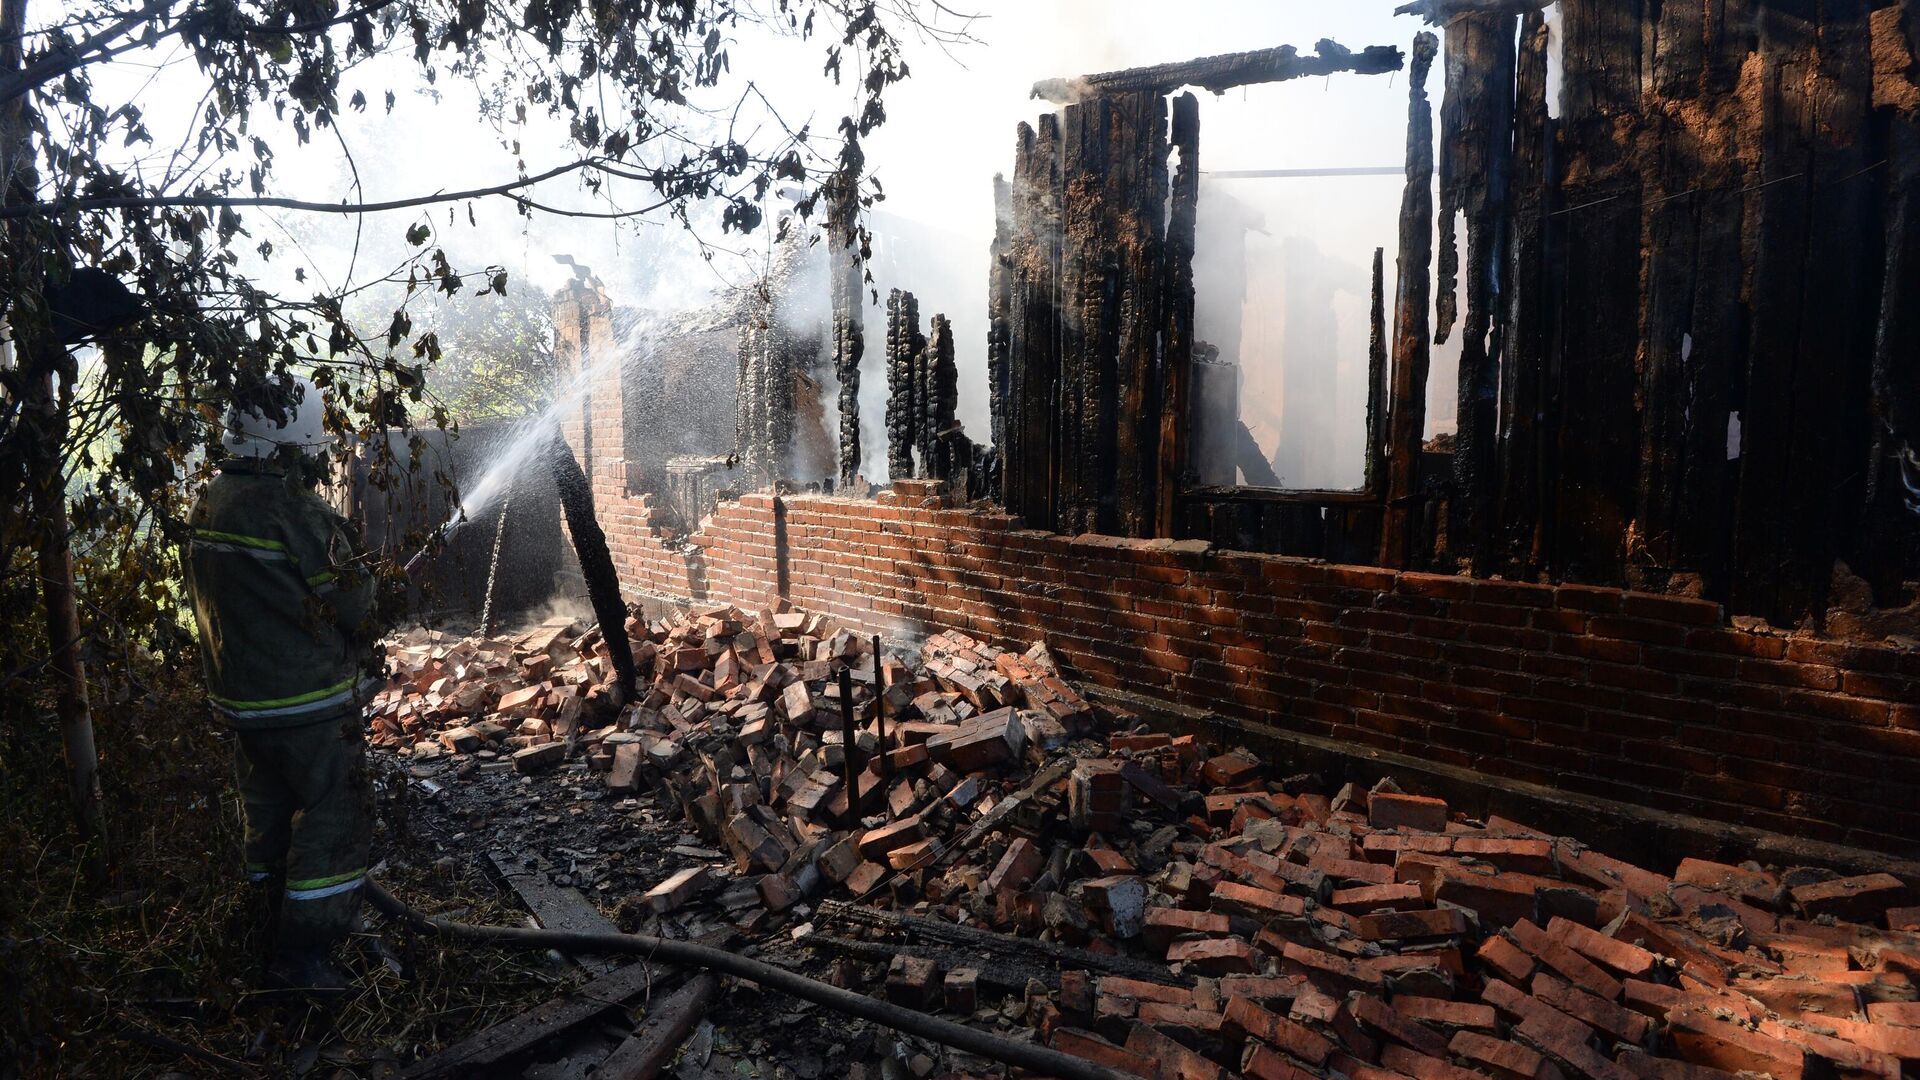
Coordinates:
(974, 826)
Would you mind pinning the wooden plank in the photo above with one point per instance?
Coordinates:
(1804, 233)
(556, 907)
(1406, 404)
(647, 1051)
(1177, 310)
(1476, 158)
(1693, 320)
(1599, 325)
(1140, 160)
(1524, 447)
(999, 311)
(1223, 72)
(493, 1046)
(1896, 363)
(1375, 481)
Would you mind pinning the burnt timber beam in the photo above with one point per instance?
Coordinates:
(1528, 315)
(1412, 348)
(1226, 71)
(1442, 12)
(1476, 143)
(1177, 309)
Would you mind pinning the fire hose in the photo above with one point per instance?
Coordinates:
(1024, 1055)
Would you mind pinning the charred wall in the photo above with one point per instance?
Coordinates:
(1688, 354)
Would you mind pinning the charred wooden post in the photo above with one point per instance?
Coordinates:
(1598, 340)
(1177, 312)
(940, 379)
(1810, 205)
(999, 310)
(1691, 172)
(1476, 156)
(1376, 465)
(1136, 201)
(849, 332)
(1523, 369)
(1895, 405)
(596, 561)
(1033, 343)
(904, 344)
(1406, 404)
(1224, 72)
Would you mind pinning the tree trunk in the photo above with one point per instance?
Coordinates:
(46, 478)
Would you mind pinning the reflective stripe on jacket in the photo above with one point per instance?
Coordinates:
(278, 607)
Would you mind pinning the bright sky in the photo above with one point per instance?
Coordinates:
(950, 128)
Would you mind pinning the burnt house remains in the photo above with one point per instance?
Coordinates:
(1668, 544)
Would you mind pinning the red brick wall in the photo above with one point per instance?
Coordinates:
(1643, 698)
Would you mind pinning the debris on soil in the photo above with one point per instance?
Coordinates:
(962, 831)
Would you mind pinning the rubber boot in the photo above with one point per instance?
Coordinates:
(309, 931)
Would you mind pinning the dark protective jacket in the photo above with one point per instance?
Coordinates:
(280, 603)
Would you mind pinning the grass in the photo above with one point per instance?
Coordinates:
(153, 975)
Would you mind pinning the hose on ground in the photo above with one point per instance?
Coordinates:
(1025, 1055)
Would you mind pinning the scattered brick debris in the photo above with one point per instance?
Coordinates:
(1189, 910)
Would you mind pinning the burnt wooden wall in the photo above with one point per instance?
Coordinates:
(1690, 348)
(1674, 291)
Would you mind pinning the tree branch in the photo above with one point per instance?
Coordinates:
(130, 202)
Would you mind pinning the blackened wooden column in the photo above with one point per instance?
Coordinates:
(1412, 353)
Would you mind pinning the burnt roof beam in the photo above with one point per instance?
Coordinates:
(1222, 73)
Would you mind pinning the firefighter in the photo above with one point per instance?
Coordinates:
(282, 599)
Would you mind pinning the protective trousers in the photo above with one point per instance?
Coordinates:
(309, 803)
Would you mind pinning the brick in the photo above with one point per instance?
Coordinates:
(913, 982)
(991, 739)
(1859, 899)
(877, 843)
(1499, 1058)
(1188, 1025)
(679, 889)
(1602, 1016)
(1121, 902)
(1214, 956)
(1381, 1019)
(1752, 886)
(1262, 1062)
(1800, 998)
(1556, 955)
(1851, 1059)
(1506, 960)
(1703, 1038)
(1173, 1061)
(1444, 1014)
(1248, 1020)
(1904, 919)
(1896, 1013)
(1620, 956)
(1519, 854)
(1335, 972)
(1362, 899)
(1263, 905)
(1420, 1066)
(960, 990)
(1565, 1045)
(1411, 925)
(1087, 1046)
(1394, 810)
(1657, 999)
(539, 758)
(1016, 869)
(1262, 990)
(1648, 1067)
(1164, 925)
(1880, 1035)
